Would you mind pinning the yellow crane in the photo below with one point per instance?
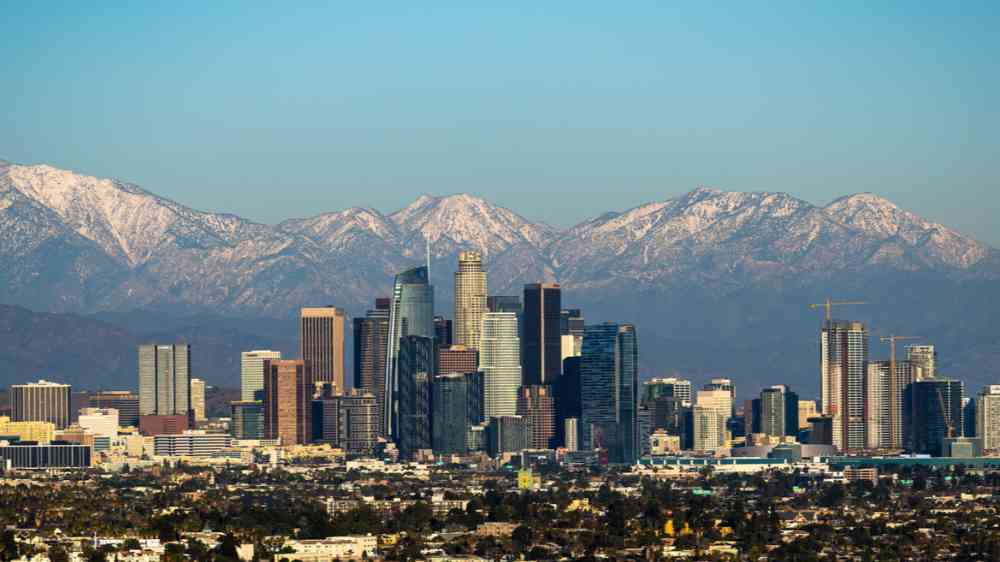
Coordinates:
(832, 303)
(895, 410)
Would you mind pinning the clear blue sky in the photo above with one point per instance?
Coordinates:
(557, 110)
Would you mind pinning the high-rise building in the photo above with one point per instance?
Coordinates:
(470, 298)
(708, 429)
(41, 401)
(779, 411)
(727, 385)
(164, 380)
(411, 313)
(413, 407)
(126, 402)
(923, 358)
(198, 399)
(347, 421)
(571, 324)
(671, 387)
(571, 429)
(541, 343)
(988, 417)
(504, 303)
(443, 333)
(719, 399)
(507, 434)
(535, 403)
(252, 373)
(371, 346)
(884, 403)
(566, 392)
(933, 412)
(500, 363)
(457, 359)
(843, 360)
(457, 405)
(807, 409)
(969, 417)
(288, 390)
(609, 381)
(321, 343)
(247, 419)
(102, 422)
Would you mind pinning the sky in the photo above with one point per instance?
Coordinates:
(558, 110)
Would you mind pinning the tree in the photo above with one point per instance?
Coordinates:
(522, 537)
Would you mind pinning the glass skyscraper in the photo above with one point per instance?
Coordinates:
(500, 363)
(609, 379)
(164, 380)
(411, 313)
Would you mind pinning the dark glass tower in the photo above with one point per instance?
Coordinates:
(416, 371)
(932, 412)
(371, 344)
(457, 403)
(609, 379)
(541, 342)
(411, 313)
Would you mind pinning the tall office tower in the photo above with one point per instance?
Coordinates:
(321, 342)
(807, 409)
(504, 303)
(126, 402)
(457, 405)
(571, 326)
(933, 411)
(247, 419)
(507, 434)
(252, 373)
(843, 356)
(719, 383)
(884, 403)
(413, 406)
(720, 399)
(457, 359)
(371, 346)
(541, 343)
(753, 412)
(470, 298)
(500, 363)
(288, 391)
(779, 411)
(670, 387)
(609, 381)
(708, 429)
(667, 413)
(968, 417)
(443, 332)
(988, 417)
(41, 401)
(644, 417)
(924, 359)
(164, 380)
(535, 403)
(198, 399)
(566, 392)
(571, 429)
(411, 313)
(347, 421)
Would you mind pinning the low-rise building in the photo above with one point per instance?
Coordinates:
(353, 547)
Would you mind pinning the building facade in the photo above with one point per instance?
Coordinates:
(127, 404)
(164, 380)
(470, 298)
(457, 404)
(457, 359)
(500, 363)
(371, 346)
(413, 407)
(42, 401)
(321, 343)
(411, 313)
(541, 343)
(933, 413)
(537, 405)
(988, 417)
(609, 381)
(247, 419)
(198, 399)
(288, 390)
(843, 360)
(252, 373)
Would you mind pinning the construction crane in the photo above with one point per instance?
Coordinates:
(895, 412)
(832, 303)
(946, 414)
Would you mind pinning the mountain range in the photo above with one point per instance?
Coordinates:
(717, 282)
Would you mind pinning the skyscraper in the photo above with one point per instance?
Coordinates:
(988, 417)
(536, 404)
(41, 401)
(566, 392)
(457, 359)
(707, 428)
(609, 380)
(500, 363)
(843, 357)
(371, 346)
(884, 403)
(923, 358)
(413, 406)
(321, 343)
(470, 298)
(347, 421)
(933, 411)
(727, 385)
(504, 303)
(288, 391)
(164, 380)
(411, 313)
(198, 399)
(127, 404)
(457, 405)
(671, 387)
(719, 399)
(443, 333)
(779, 411)
(247, 419)
(541, 344)
(571, 324)
(252, 373)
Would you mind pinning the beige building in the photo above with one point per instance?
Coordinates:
(709, 428)
(807, 409)
(39, 431)
(198, 399)
(720, 400)
(321, 343)
(470, 299)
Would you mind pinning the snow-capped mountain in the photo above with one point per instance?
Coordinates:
(72, 242)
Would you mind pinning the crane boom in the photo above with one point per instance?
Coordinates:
(829, 304)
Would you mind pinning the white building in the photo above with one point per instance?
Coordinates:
(720, 400)
(709, 431)
(500, 362)
(331, 548)
(252, 373)
(191, 443)
(988, 417)
(924, 358)
(102, 422)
